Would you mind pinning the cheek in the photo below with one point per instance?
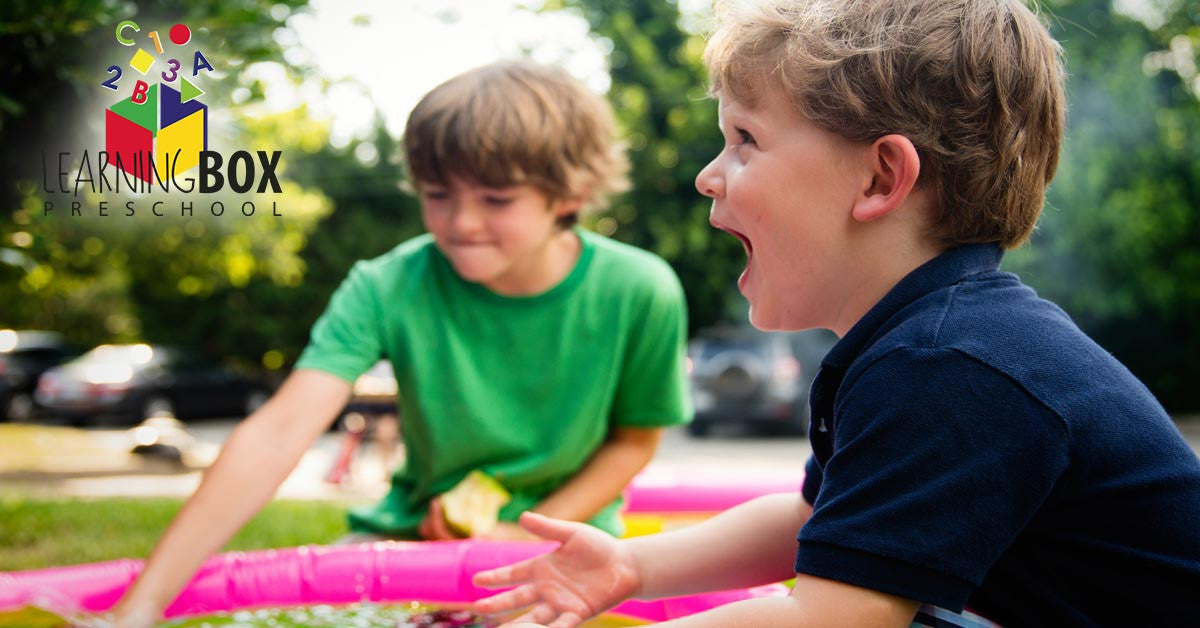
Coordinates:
(433, 220)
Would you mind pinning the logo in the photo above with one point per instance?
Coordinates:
(157, 135)
(161, 129)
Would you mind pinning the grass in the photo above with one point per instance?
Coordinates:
(42, 532)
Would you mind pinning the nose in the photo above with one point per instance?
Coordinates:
(465, 221)
(711, 181)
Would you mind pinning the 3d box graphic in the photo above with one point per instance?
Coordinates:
(162, 126)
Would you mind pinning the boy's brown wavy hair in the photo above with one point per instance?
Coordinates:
(976, 85)
(517, 122)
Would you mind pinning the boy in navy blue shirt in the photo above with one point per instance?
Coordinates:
(972, 448)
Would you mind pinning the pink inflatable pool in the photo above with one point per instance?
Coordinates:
(376, 572)
(666, 491)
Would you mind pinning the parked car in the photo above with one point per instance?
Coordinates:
(758, 380)
(138, 381)
(24, 356)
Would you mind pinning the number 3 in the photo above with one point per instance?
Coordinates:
(112, 82)
(174, 65)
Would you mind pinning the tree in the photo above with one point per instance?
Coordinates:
(140, 278)
(658, 92)
(1119, 244)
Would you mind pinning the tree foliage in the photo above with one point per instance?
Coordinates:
(1118, 246)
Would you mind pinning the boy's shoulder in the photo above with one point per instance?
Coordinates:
(400, 268)
(994, 320)
(616, 261)
(400, 258)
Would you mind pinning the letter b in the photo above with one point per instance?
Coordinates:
(139, 93)
(210, 169)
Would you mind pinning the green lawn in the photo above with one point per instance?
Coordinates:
(37, 532)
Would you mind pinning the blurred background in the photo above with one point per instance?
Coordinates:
(331, 83)
(226, 303)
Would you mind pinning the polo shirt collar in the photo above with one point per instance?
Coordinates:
(947, 269)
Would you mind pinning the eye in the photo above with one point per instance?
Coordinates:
(435, 194)
(497, 201)
(745, 137)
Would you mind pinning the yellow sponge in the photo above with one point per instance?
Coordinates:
(473, 506)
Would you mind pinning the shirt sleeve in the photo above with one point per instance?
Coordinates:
(812, 480)
(938, 463)
(653, 386)
(346, 340)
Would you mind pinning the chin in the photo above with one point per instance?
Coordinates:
(765, 320)
(762, 321)
(474, 275)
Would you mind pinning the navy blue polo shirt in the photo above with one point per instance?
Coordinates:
(972, 447)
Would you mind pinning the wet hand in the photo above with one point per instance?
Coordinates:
(433, 527)
(588, 574)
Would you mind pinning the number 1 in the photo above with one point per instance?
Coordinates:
(157, 44)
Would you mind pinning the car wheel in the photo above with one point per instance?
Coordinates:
(699, 429)
(255, 400)
(19, 408)
(157, 405)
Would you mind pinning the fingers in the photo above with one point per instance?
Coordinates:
(437, 520)
(517, 598)
(515, 573)
(566, 620)
(433, 527)
(540, 614)
(426, 529)
(547, 528)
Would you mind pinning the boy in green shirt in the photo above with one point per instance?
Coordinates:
(544, 355)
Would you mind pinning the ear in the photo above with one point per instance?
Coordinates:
(567, 206)
(893, 166)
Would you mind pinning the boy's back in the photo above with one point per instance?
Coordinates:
(986, 446)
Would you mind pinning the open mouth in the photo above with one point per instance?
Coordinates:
(741, 238)
(744, 278)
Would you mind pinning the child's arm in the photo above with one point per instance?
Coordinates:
(812, 602)
(752, 544)
(604, 476)
(258, 456)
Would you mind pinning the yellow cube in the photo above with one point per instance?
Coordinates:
(185, 136)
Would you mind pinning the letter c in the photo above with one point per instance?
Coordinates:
(125, 41)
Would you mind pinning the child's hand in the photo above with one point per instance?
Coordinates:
(433, 527)
(588, 574)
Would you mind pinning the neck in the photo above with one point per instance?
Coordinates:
(880, 267)
(543, 270)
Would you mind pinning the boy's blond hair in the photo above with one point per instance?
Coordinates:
(976, 85)
(516, 122)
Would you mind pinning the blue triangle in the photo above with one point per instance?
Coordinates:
(173, 108)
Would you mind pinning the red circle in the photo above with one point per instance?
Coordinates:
(180, 34)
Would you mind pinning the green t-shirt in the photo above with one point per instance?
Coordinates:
(523, 388)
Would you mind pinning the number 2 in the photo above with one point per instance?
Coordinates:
(112, 82)
(174, 66)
